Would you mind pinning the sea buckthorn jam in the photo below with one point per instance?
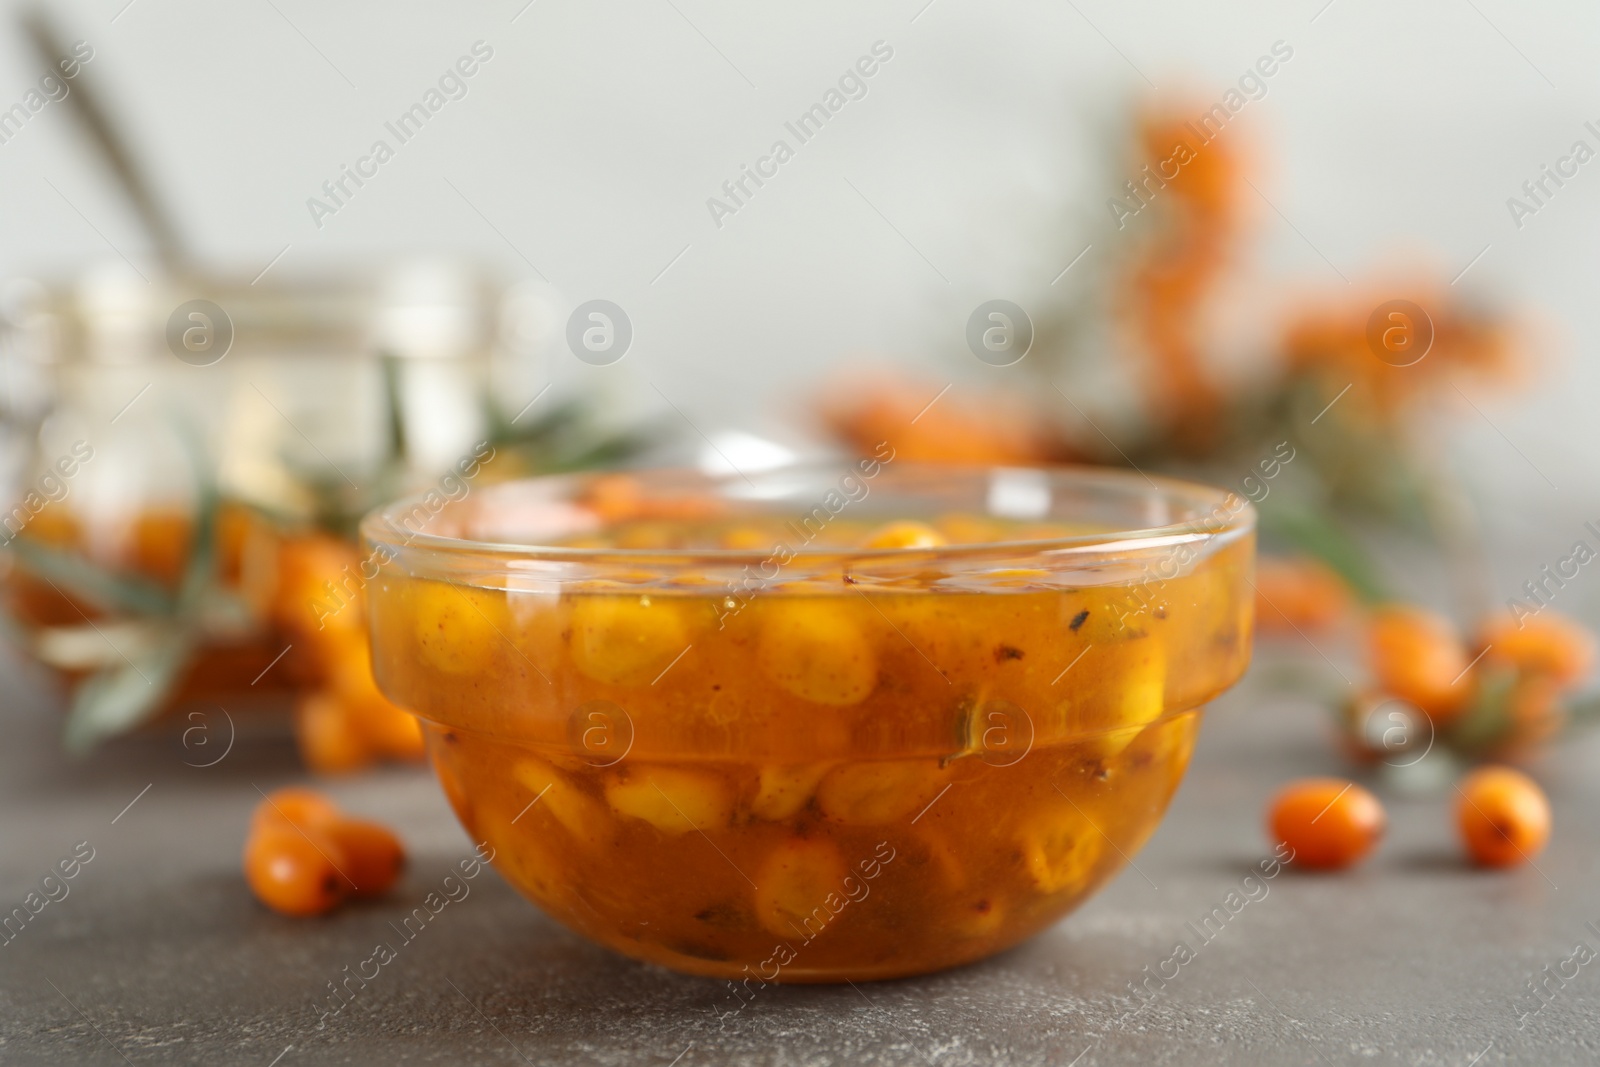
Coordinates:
(746, 728)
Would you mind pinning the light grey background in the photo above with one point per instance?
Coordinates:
(976, 167)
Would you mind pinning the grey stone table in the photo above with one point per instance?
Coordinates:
(158, 954)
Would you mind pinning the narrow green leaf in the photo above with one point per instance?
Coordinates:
(396, 448)
(100, 587)
(198, 574)
(1488, 720)
(117, 699)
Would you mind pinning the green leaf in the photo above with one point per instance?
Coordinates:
(551, 424)
(566, 437)
(199, 573)
(75, 576)
(1488, 719)
(602, 453)
(396, 447)
(117, 699)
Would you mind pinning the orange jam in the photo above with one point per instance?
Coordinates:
(912, 745)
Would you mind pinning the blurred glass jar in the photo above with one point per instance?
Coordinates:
(315, 382)
(164, 434)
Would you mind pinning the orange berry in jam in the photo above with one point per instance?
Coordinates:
(1503, 817)
(1328, 822)
(905, 535)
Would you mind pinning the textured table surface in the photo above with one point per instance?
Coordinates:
(158, 954)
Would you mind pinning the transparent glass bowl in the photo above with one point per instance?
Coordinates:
(796, 759)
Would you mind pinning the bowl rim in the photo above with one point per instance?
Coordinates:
(1230, 513)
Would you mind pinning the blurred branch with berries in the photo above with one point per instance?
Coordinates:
(252, 597)
(1330, 407)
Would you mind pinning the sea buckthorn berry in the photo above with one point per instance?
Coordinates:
(783, 790)
(880, 791)
(671, 800)
(344, 662)
(329, 739)
(613, 497)
(528, 858)
(1418, 656)
(315, 592)
(1060, 850)
(1503, 816)
(391, 730)
(373, 857)
(1299, 594)
(550, 791)
(1121, 689)
(815, 650)
(1143, 687)
(1546, 643)
(294, 870)
(1536, 710)
(455, 626)
(625, 640)
(1328, 822)
(294, 806)
(905, 535)
(387, 728)
(801, 886)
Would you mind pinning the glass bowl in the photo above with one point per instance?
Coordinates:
(703, 721)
